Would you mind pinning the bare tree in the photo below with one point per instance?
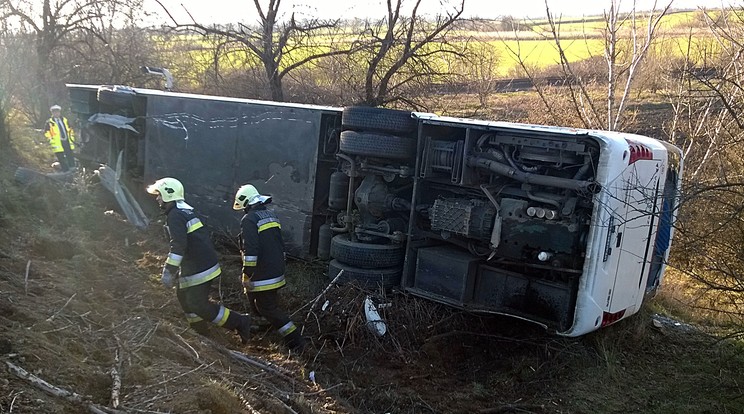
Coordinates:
(400, 50)
(707, 122)
(50, 22)
(108, 51)
(628, 67)
(5, 83)
(280, 45)
(53, 25)
(626, 40)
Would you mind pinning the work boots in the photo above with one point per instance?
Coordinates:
(244, 328)
(295, 342)
(201, 327)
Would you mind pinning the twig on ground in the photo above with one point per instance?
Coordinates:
(146, 339)
(139, 390)
(10, 410)
(25, 281)
(317, 298)
(51, 318)
(268, 367)
(287, 408)
(116, 377)
(190, 347)
(57, 329)
(309, 394)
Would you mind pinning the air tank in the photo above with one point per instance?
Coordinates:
(338, 192)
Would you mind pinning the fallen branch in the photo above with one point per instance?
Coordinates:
(59, 392)
(268, 367)
(43, 385)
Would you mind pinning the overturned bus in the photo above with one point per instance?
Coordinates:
(567, 228)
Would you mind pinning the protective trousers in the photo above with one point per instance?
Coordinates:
(200, 310)
(66, 158)
(266, 303)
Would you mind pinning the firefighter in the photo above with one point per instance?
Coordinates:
(192, 263)
(263, 262)
(61, 137)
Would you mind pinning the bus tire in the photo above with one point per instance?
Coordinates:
(366, 255)
(378, 119)
(386, 278)
(377, 145)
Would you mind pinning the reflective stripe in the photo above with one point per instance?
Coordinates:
(266, 220)
(193, 318)
(250, 260)
(193, 225)
(222, 316)
(287, 329)
(268, 225)
(174, 259)
(269, 284)
(199, 278)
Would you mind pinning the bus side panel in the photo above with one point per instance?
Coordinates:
(194, 141)
(277, 150)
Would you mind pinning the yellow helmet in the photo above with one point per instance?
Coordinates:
(169, 189)
(247, 195)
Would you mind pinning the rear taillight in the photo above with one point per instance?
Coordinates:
(610, 318)
(638, 151)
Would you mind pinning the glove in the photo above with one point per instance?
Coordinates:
(168, 279)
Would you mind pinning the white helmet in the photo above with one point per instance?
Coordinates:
(169, 189)
(247, 195)
(55, 108)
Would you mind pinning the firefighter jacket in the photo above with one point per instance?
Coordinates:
(263, 250)
(191, 248)
(54, 135)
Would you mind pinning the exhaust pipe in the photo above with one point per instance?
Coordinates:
(529, 178)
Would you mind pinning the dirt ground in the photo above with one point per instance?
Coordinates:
(81, 307)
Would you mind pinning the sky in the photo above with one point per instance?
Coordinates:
(231, 11)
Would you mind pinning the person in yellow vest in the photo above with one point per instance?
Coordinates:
(61, 137)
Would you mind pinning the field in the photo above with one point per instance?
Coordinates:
(532, 43)
(81, 297)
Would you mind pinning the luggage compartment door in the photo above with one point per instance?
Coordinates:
(634, 232)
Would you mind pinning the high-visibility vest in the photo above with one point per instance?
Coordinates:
(54, 135)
